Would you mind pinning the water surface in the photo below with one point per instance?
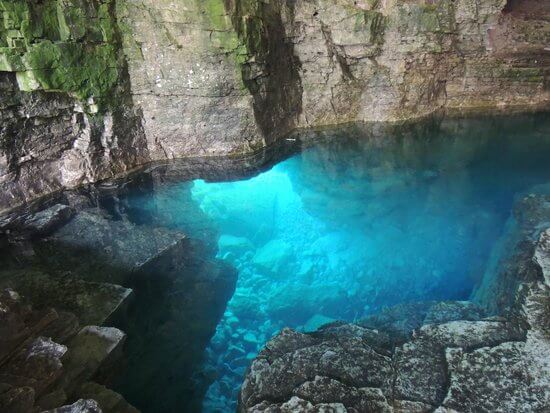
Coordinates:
(364, 217)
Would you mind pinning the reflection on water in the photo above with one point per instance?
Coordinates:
(365, 218)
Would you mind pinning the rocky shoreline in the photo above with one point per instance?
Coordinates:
(51, 260)
(487, 354)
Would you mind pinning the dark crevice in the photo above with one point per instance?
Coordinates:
(334, 53)
(272, 75)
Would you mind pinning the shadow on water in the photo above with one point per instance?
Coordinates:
(336, 223)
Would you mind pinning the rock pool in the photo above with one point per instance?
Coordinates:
(335, 224)
(359, 220)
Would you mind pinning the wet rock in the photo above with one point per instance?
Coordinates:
(495, 379)
(275, 375)
(401, 320)
(109, 400)
(273, 256)
(327, 390)
(315, 322)
(250, 338)
(236, 245)
(91, 302)
(422, 357)
(37, 372)
(64, 327)
(106, 250)
(16, 399)
(48, 220)
(37, 365)
(90, 349)
(421, 370)
(417, 370)
(453, 310)
(542, 253)
(506, 271)
(180, 292)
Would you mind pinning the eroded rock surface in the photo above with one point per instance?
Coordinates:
(425, 357)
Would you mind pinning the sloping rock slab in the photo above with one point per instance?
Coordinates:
(18, 322)
(106, 250)
(38, 365)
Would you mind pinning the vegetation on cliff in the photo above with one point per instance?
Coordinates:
(61, 45)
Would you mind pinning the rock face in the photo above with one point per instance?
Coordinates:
(434, 357)
(89, 89)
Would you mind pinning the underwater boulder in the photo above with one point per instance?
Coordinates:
(273, 256)
(295, 304)
(236, 245)
(245, 305)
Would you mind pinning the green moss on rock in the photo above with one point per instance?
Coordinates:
(61, 45)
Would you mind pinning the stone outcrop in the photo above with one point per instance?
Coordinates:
(434, 357)
(92, 88)
(164, 289)
(76, 257)
(45, 360)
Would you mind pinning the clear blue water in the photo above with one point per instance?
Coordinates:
(362, 219)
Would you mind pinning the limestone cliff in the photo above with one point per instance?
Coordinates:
(91, 88)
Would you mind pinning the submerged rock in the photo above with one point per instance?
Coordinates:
(48, 220)
(273, 256)
(422, 357)
(316, 322)
(91, 302)
(236, 245)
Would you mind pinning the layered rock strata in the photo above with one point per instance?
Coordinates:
(92, 88)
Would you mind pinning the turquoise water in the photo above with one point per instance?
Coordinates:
(361, 219)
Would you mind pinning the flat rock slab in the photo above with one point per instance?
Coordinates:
(46, 221)
(91, 348)
(106, 250)
(92, 302)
